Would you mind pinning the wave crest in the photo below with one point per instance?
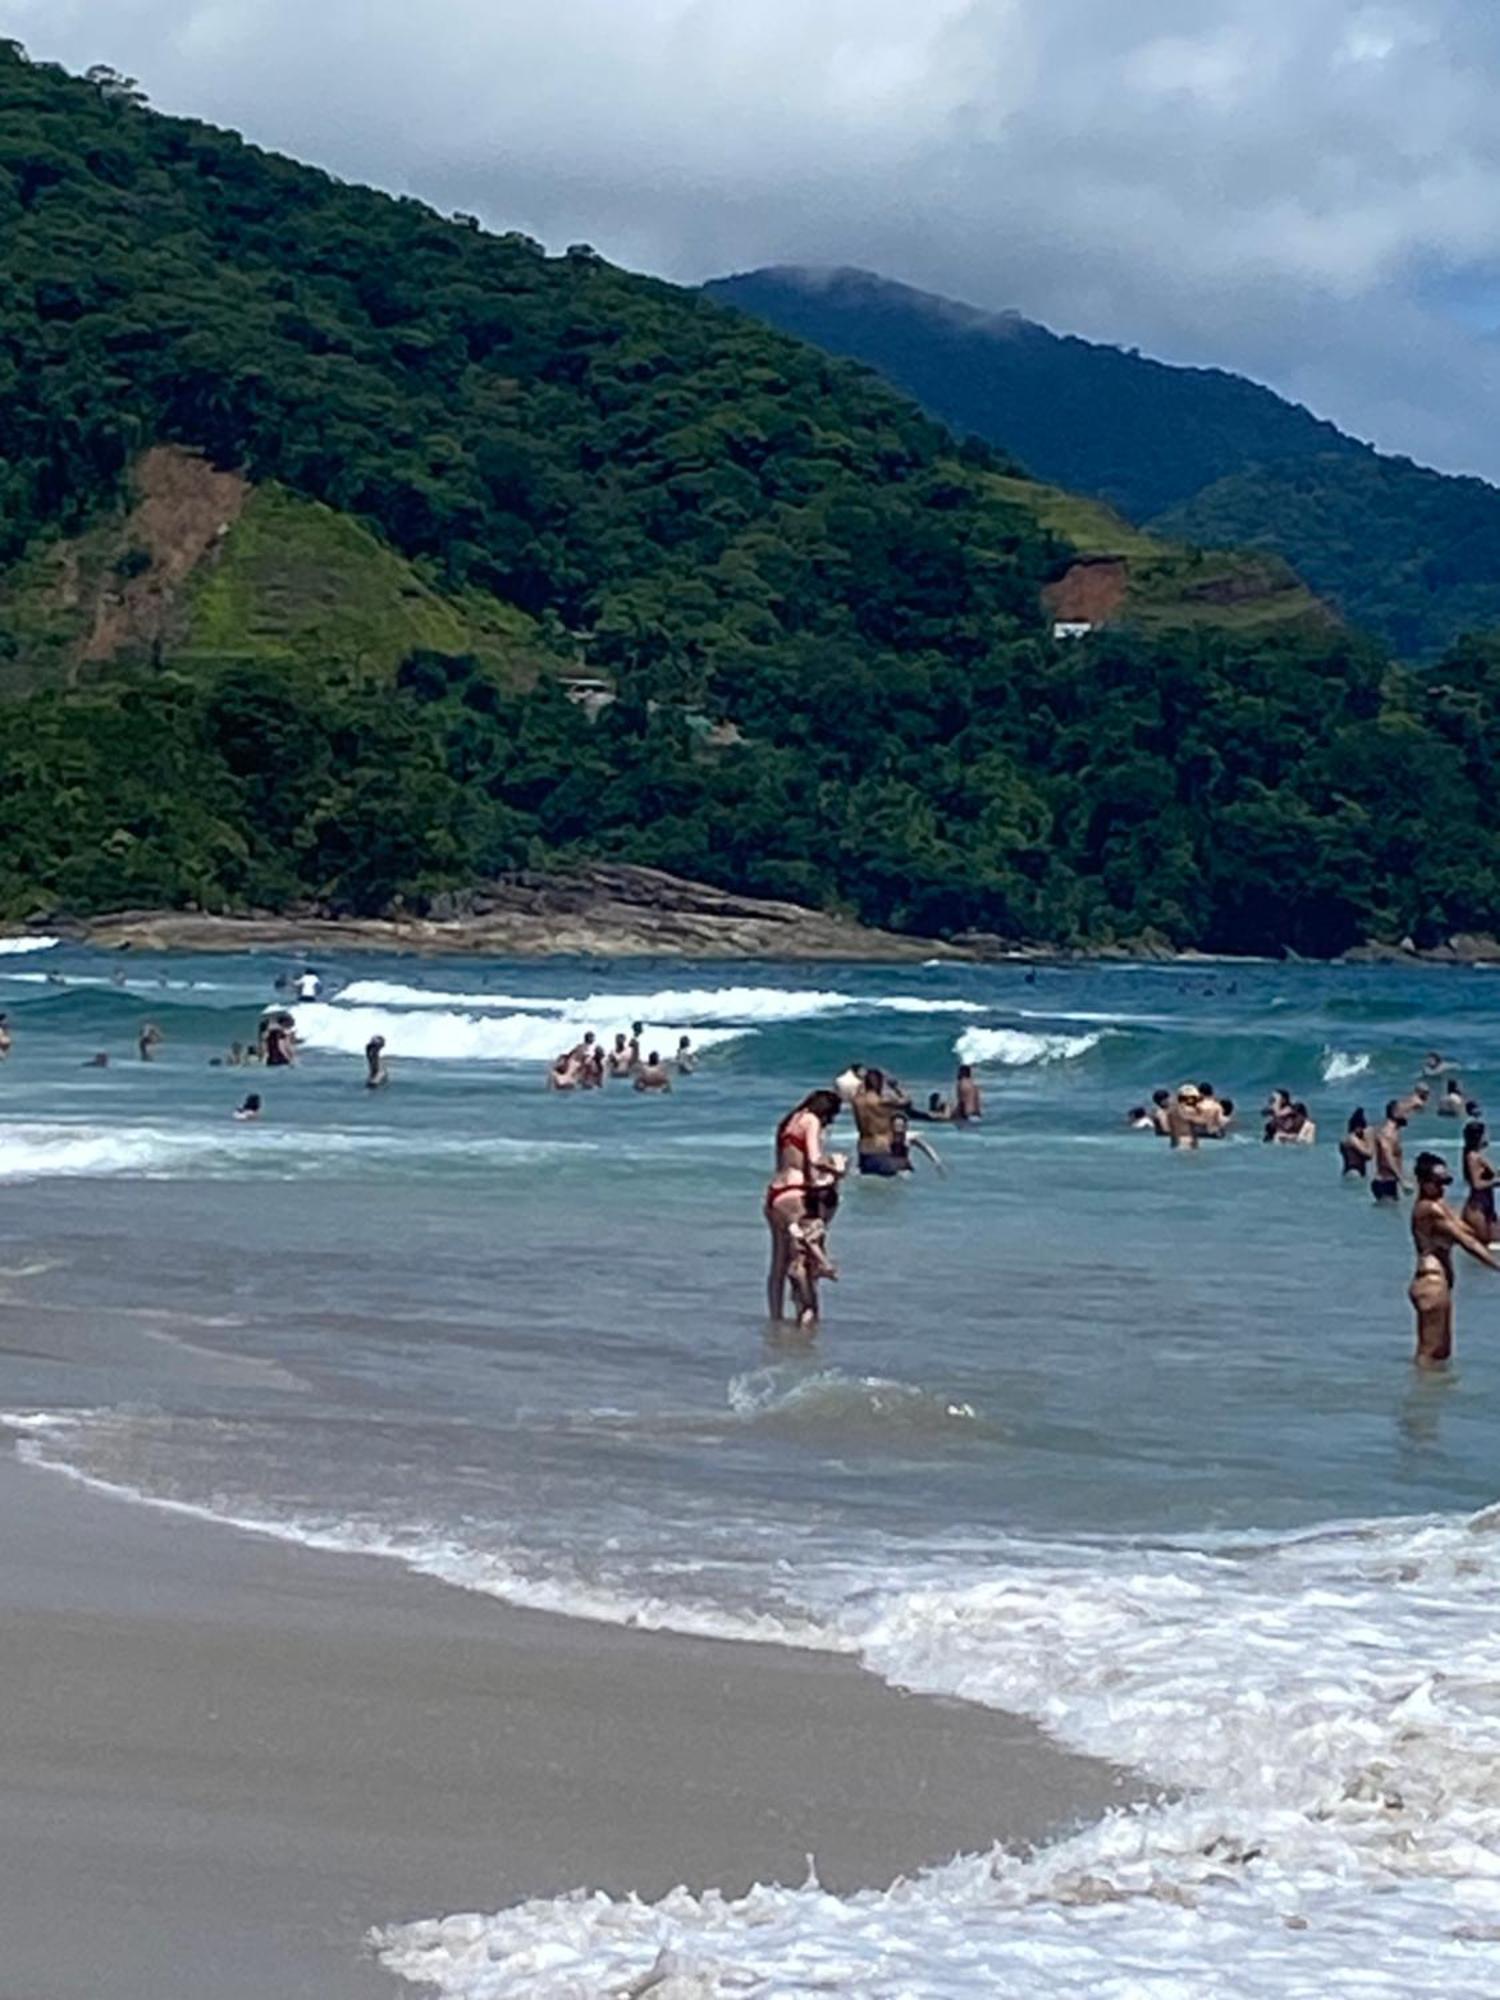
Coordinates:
(1019, 1048)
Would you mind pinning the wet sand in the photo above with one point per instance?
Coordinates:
(222, 1759)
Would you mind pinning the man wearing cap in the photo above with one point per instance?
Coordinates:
(1434, 1231)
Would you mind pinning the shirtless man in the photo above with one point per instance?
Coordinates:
(619, 1057)
(1161, 1105)
(653, 1076)
(581, 1056)
(1389, 1177)
(1452, 1103)
(4, 1036)
(1416, 1101)
(148, 1041)
(1435, 1229)
(968, 1099)
(377, 1076)
(1182, 1119)
(876, 1116)
(685, 1059)
(1210, 1113)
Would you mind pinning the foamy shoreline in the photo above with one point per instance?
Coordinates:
(226, 1759)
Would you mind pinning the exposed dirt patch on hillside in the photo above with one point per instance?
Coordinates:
(1091, 593)
(183, 509)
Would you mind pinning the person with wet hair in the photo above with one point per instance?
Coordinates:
(875, 1115)
(1435, 1230)
(968, 1098)
(1357, 1147)
(653, 1074)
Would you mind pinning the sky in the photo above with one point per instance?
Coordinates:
(1305, 191)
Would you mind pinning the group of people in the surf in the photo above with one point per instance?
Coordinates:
(588, 1065)
(802, 1198)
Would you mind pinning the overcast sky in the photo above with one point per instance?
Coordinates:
(1304, 190)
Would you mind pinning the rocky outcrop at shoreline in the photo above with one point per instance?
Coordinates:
(602, 912)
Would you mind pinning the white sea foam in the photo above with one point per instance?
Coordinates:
(32, 1151)
(1339, 1066)
(673, 1007)
(1332, 1700)
(1017, 1048)
(16, 947)
(437, 1035)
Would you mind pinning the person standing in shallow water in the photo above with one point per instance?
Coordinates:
(1482, 1179)
(1357, 1148)
(802, 1164)
(1435, 1229)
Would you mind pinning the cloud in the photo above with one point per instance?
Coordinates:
(1292, 188)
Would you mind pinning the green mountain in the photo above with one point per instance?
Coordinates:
(311, 501)
(1195, 454)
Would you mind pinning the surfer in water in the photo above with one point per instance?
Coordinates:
(1435, 1229)
(802, 1164)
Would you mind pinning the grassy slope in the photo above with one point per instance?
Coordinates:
(292, 580)
(1171, 585)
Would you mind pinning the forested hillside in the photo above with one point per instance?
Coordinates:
(1195, 454)
(308, 497)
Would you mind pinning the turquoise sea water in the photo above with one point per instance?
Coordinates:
(1080, 1413)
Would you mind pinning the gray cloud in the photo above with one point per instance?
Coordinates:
(1285, 187)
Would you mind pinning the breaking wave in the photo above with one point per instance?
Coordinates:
(17, 947)
(1018, 1048)
(672, 1007)
(1339, 1066)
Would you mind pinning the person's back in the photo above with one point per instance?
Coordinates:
(1390, 1165)
(968, 1099)
(654, 1075)
(874, 1115)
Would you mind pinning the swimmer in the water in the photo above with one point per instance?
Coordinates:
(633, 1047)
(236, 1057)
(1210, 1113)
(685, 1059)
(1161, 1107)
(148, 1041)
(1481, 1179)
(99, 1061)
(581, 1056)
(5, 1037)
(1357, 1147)
(561, 1075)
(281, 1043)
(653, 1075)
(1139, 1119)
(1389, 1177)
(808, 1260)
(938, 1110)
(1432, 1063)
(905, 1142)
(1182, 1119)
(250, 1109)
(875, 1115)
(618, 1062)
(1435, 1230)
(1298, 1128)
(968, 1098)
(1417, 1100)
(377, 1076)
(1451, 1103)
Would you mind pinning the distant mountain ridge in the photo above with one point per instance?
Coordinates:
(1196, 454)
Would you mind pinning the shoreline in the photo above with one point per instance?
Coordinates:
(226, 1759)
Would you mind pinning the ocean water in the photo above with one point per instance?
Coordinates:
(1125, 1441)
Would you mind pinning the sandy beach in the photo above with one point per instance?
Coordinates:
(226, 1758)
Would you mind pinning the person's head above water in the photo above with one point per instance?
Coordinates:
(934, 1100)
(1393, 1112)
(1433, 1173)
(965, 1071)
(1357, 1120)
(1162, 1097)
(874, 1080)
(252, 1102)
(1474, 1135)
(1207, 1090)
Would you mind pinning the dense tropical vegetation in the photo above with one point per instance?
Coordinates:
(1411, 555)
(822, 619)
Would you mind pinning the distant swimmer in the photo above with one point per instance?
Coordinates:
(377, 1076)
(1417, 1100)
(1452, 1103)
(633, 1047)
(1357, 1147)
(1389, 1177)
(808, 1262)
(561, 1075)
(581, 1055)
(875, 1116)
(5, 1037)
(618, 1060)
(937, 1111)
(1211, 1115)
(685, 1059)
(1481, 1179)
(99, 1061)
(1432, 1063)
(1277, 1114)
(281, 1042)
(1298, 1127)
(1183, 1130)
(1160, 1114)
(968, 1098)
(905, 1142)
(654, 1074)
(308, 984)
(250, 1109)
(1435, 1229)
(236, 1057)
(595, 1070)
(148, 1041)
(1139, 1119)
(802, 1163)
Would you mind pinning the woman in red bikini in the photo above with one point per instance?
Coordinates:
(801, 1163)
